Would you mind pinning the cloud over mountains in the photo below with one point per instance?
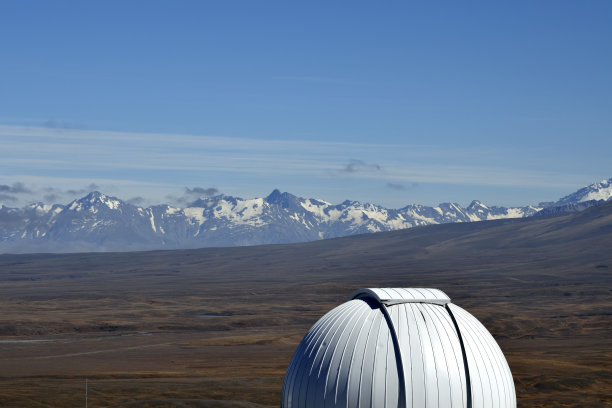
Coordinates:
(154, 165)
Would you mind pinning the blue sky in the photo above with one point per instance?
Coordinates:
(392, 103)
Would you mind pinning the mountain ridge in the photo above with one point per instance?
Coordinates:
(98, 222)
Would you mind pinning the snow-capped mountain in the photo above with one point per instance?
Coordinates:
(597, 191)
(98, 222)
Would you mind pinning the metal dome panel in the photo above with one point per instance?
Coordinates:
(491, 380)
(390, 296)
(398, 347)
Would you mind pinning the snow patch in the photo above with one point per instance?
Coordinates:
(380, 215)
(43, 209)
(316, 209)
(600, 194)
(244, 212)
(152, 219)
(195, 215)
(510, 213)
(373, 228)
(110, 203)
(75, 206)
(474, 217)
(422, 220)
(174, 210)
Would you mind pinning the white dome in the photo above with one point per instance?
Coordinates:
(398, 348)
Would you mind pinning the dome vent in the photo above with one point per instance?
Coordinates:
(398, 347)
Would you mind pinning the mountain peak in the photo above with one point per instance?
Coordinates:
(95, 198)
(93, 195)
(274, 195)
(596, 191)
(285, 200)
(476, 205)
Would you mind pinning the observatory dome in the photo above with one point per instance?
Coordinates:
(398, 347)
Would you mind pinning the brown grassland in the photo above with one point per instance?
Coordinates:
(217, 327)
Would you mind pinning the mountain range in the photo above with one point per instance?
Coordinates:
(98, 222)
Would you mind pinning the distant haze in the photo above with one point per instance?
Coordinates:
(59, 165)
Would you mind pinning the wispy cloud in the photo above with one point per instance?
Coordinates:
(52, 198)
(51, 123)
(16, 188)
(61, 124)
(201, 192)
(56, 194)
(151, 164)
(19, 192)
(191, 194)
(402, 187)
(356, 165)
(395, 186)
(7, 198)
(136, 200)
(91, 187)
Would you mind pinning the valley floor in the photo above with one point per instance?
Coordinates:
(217, 327)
